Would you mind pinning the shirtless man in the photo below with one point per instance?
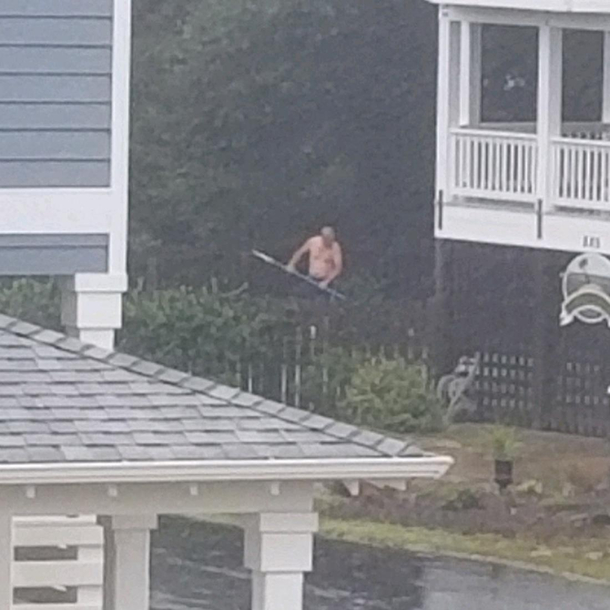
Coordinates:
(325, 257)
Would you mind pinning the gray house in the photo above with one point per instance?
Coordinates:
(64, 98)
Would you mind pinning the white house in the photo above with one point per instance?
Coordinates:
(87, 431)
(539, 185)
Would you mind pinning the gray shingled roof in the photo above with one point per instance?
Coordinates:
(64, 401)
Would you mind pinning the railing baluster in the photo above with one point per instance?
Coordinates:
(467, 162)
(586, 182)
(595, 158)
(603, 157)
(520, 173)
(508, 183)
(476, 161)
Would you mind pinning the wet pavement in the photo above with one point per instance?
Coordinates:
(198, 567)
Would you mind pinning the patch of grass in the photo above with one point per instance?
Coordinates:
(583, 557)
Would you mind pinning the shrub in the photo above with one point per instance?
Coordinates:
(390, 394)
(326, 377)
(197, 330)
(504, 443)
(37, 301)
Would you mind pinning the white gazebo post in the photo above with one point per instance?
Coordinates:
(6, 561)
(606, 81)
(448, 96)
(127, 562)
(470, 74)
(550, 64)
(279, 550)
(91, 307)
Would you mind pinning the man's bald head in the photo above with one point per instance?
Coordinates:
(328, 235)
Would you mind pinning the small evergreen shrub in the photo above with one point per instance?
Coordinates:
(392, 395)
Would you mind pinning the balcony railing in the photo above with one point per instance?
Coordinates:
(581, 173)
(502, 165)
(493, 164)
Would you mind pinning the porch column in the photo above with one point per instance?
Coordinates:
(91, 306)
(279, 550)
(127, 562)
(550, 64)
(606, 81)
(470, 74)
(448, 98)
(6, 561)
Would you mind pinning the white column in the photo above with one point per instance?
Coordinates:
(470, 74)
(91, 307)
(279, 550)
(6, 557)
(550, 65)
(606, 80)
(448, 97)
(127, 562)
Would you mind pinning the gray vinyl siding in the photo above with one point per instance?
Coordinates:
(55, 93)
(49, 254)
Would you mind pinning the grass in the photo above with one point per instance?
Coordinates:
(563, 557)
(565, 467)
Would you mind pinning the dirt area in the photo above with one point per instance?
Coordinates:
(561, 490)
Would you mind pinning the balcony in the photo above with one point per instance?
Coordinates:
(499, 163)
(541, 184)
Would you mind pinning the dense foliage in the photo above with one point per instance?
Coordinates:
(256, 120)
(392, 395)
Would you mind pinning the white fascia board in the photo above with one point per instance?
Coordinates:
(433, 466)
(541, 6)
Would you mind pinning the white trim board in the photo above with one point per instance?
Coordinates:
(234, 470)
(493, 225)
(570, 7)
(521, 17)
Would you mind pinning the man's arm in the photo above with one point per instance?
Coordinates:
(337, 268)
(298, 255)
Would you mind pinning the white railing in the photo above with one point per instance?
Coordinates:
(58, 563)
(581, 173)
(492, 164)
(583, 130)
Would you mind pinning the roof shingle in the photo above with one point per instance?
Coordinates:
(65, 401)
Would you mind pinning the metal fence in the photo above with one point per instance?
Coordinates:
(309, 364)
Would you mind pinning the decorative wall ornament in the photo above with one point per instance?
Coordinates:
(586, 290)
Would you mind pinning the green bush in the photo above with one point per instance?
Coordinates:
(197, 330)
(36, 301)
(504, 443)
(392, 395)
(326, 377)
